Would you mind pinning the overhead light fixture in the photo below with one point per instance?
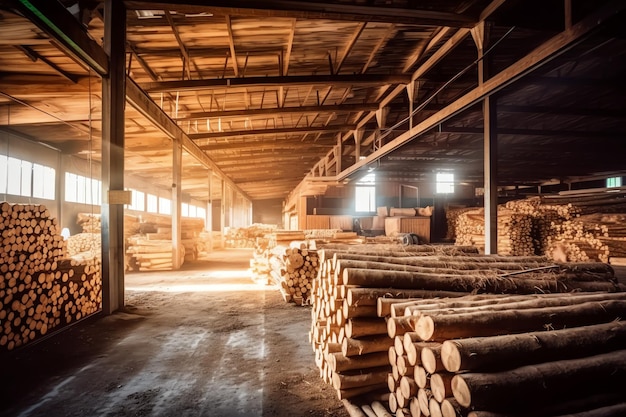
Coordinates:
(150, 14)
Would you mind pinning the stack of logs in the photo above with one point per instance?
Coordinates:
(40, 290)
(246, 237)
(539, 355)
(355, 291)
(514, 231)
(573, 227)
(293, 270)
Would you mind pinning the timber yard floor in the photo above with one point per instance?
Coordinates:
(203, 341)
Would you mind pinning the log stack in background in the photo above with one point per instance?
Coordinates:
(293, 269)
(573, 227)
(246, 237)
(364, 343)
(41, 289)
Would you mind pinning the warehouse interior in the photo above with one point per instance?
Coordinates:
(156, 157)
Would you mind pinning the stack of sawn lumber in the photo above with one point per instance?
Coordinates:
(352, 342)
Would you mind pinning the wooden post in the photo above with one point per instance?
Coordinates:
(338, 155)
(410, 90)
(358, 137)
(490, 147)
(177, 244)
(209, 213)
(113, 100)
(223, 212)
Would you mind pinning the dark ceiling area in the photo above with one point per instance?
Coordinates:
(274, 95)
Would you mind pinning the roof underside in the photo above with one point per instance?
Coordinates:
(267, 92)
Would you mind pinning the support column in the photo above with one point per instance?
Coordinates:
(223, 212)
(410, 91)
(113, 101)
(480, 33)
(338, 155)
(358, 137)
(209, 212)
(177, 243)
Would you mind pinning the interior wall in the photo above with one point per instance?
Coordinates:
(268, 212)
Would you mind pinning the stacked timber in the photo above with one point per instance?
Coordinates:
(260, 268)
(89, 222)
(245, 237)
(87, 244)
(40, 290)
(572, 227)
(151, 254)
(293, 269)
(349, 339)
(514, 231)
(541, 355)
(356, 290)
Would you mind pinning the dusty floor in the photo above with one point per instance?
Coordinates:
(205, 341)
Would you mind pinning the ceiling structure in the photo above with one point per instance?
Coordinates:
(283, 98)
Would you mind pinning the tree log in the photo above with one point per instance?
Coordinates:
(340, 363)
(514, 350)
(492, 323)
(543, 383)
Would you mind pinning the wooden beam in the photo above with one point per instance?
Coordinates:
(533, 60)
(260, 145)
(231, 44)
(280, 110)
(36, 56)
(313, 10)
(287, 56)
(272, 81)
(60, 25)
(181, 44)
(276, 131)
(348, 48)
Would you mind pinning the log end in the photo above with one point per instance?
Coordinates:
(425, 328)
(420, 376)
(461, 391)
(414, 407)
(450, 407)
(450, 356)
(429, 360)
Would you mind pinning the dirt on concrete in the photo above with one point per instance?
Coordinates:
(203, 341)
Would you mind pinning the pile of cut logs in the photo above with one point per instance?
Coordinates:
(539, 355)
(356, 290)
(245, 237)
(293, 269)
(587, 226)
(40, 289)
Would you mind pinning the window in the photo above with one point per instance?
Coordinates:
(138, 200)
(153, 204)
(201, 213)
(365, 194)
(43, 182)
(445, 183)
(165, 206)
(26, 179)
(79, 189)
(614, 182)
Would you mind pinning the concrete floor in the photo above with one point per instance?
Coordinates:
(205, 341)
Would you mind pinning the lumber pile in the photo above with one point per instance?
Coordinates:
(514, 231)
(245, 237)
(40, 289)
(151, 249)
(89, 222)
(361, 293)
(84, 243)
(572, 227)
(150, 255)
(293, 269)
(540, 355)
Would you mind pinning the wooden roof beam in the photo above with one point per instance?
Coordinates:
(272, 81)
(181, 45)
(281, 110)
(231, 44)
(276, 131)
(312, 10)
(533, 60)
(60, 25)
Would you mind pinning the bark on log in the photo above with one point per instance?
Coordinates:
(371, 344)
(514, 350)
(467, 283)
(492, 323)
(360, 378)
(340, 363)
(544, 383)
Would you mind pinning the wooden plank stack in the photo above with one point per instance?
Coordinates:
(151, 249)
(40, 289)
(246, 237)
